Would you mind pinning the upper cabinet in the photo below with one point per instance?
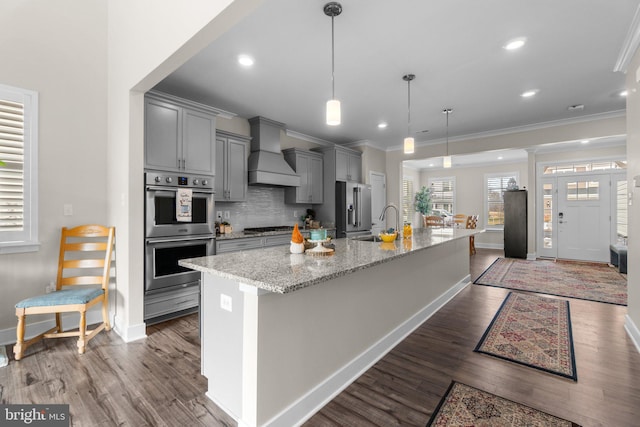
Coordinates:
(344, 163)
(309, 166)
(348, 165)
(179, 135)
(232, 152)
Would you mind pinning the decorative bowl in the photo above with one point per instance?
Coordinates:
(389, 237)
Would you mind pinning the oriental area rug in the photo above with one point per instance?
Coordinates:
(581, 280)
(533, 331)
(464, 405)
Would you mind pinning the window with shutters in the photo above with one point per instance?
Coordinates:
(443, 194)
(495, 186)
(18, 170)
(407, 200)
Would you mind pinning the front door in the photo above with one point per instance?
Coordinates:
(583, 217)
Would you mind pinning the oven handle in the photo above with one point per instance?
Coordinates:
(195, 190)
(178, 239)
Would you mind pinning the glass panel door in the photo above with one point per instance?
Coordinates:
(547, 238)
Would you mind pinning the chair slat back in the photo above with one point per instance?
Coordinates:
(459, 220)
(85, 256)
(433, 221)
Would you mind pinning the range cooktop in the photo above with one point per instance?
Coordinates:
(266, 229)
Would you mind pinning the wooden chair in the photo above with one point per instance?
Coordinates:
(460, 220)
(472, 222)
(85, 259)
(433, 221)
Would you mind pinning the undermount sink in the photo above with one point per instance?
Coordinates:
(370, 238)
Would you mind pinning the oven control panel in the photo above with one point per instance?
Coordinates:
(178, 180)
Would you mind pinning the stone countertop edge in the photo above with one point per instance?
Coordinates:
(276, 270)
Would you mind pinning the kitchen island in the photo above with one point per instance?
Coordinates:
(283, 333)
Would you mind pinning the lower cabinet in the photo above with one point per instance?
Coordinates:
(247, 243)
(164, 305)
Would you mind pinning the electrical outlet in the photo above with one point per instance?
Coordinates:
(68, 209)
(295, 214)
(226, 302)
(219, 215)
(226, 214)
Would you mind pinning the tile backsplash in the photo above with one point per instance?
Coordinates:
(265, 206)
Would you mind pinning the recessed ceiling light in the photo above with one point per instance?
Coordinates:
(500, 157)
(431, 165)
(515, 44)
(529, 93)
(584, 141)
(382, 125)
(245, 60)
(624, 93)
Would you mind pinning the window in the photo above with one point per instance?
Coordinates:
(18, 170)
(586, 167)
(583, 190)
(621, 209)
(443, 193)
(407, 200)
(495, 185)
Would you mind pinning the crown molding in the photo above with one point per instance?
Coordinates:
(519, 129)
(630, 45)
(308, 138)
(191, 104)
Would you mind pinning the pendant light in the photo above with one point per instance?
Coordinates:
(446, 160)
(409, 142)
(333, 9)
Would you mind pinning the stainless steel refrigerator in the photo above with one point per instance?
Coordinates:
(353, 209)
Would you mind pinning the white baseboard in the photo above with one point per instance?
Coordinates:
(69, 321)
(129, 333)
(489, 245)
(305, 407)
(632, 331)
(532, 257)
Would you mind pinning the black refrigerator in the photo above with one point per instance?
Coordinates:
(515, 224)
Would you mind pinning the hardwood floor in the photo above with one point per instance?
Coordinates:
(156, 381)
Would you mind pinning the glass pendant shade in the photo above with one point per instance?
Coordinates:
(409, 145)
(333, 112)
(446, 162)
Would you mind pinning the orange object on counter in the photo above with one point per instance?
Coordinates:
(406, 231)
(296, 236)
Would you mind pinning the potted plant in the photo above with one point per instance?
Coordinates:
(422, 201)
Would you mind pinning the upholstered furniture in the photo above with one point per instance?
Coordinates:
(472, 222)
(84, 267)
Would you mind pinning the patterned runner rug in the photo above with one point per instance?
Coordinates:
(588, 281)
(533, 331)
(464, 405)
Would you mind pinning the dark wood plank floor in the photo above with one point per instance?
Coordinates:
(156, 381)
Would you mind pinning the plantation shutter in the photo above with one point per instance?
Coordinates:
(496, 185)
(12, 166)
(407, 200)
(442, 193)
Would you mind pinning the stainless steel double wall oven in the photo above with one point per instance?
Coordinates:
(171, 289)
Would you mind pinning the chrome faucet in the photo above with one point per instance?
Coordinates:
(384, 211)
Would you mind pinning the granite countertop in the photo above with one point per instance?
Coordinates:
(277, 270)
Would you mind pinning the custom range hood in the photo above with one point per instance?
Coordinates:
(266, 163)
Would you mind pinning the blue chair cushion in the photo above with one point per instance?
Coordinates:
(81, 295)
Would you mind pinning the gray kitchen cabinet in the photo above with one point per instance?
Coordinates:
(276, 240)
(232, 152)
(348, 165)
(310, 167)
(235, 245)
(179, 135)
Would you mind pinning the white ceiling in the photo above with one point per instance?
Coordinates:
(454, 48)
